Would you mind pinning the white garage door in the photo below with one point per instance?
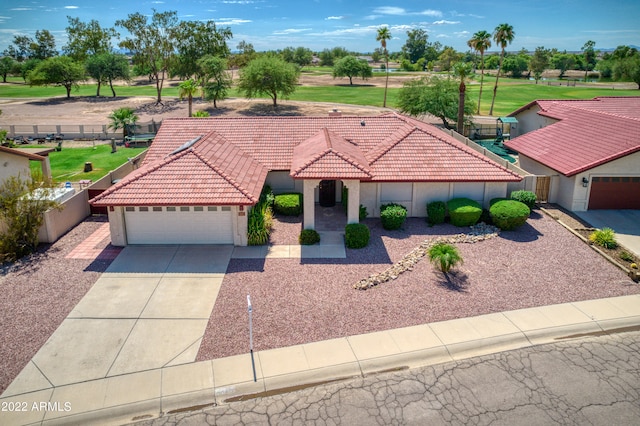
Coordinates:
(179, 225)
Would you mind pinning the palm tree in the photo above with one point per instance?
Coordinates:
(480, 42)
(187, 89)
(461, 70)
(444, 256)
(503, 35)
(122, 118)
(382, 36)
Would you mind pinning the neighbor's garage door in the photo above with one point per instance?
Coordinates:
(179, 225)
(615, 193)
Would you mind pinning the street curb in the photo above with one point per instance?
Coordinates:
(438, 343)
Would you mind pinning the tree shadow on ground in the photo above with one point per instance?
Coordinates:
(73, 99)
(259, 110)
(154, 107)
(455, 280)
(354, 85)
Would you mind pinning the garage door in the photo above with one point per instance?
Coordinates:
(179, 225)
(615, 193)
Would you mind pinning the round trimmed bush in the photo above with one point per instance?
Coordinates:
(436, 211)
(527, 197)
(464, 211)
(392, 215)
(509, 214)
(288, 204)
(309, 237)
(356, 235)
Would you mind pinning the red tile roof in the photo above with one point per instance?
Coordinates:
(211, 172)
(327, 155)
(588, 133)
(240, 151)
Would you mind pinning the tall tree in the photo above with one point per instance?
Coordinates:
(563, 61)
(187, 89)
(58, 71)
(269, 75)
(448, 57)
(151, 42)
(7, 65)
(627, 65)
(503, 35)
(107, 67)
(539, 62)
(382, 36)
(416, 45)
(480, 42)
(461, 70)
(215, 79)
(350, 67)
(44, 46)
(589, 56)
(194, 40)
(433, 95)
(20, 50)
(87, 39)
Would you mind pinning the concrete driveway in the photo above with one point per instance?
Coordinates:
(149, 310)
(626, 224)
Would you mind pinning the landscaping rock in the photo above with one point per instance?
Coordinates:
(478, 232)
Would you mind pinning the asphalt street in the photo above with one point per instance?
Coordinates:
(588, 380)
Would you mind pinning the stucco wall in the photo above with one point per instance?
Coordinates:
(372, 195)
(529, 120)
(58, 222)
(13, 165)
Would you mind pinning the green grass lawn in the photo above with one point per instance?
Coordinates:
(68, 164)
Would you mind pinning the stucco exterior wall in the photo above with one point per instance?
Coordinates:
(529, 120)
(13, 165)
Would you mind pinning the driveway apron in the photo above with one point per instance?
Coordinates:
(148, 310)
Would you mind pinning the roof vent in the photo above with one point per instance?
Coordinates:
(362, 123)
(185, 145)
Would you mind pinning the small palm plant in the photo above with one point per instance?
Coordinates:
(122, 118)
(605, 237)
(444, 256)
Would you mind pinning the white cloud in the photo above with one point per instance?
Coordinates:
(445, 22)
(291, 31)
(462, 33)
(71, 7)
(21, 9)
(238, 2)
(333, 18)
(232, 21)
(399, 11)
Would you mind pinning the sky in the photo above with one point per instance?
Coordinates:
(352, 24)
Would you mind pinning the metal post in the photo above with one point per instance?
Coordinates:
(250, 309)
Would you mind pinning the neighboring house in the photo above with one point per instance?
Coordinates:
(590, 148)
(16, 162)
(201, 175)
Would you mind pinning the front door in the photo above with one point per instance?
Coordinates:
(327, 194)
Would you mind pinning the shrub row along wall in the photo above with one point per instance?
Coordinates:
(80, 131)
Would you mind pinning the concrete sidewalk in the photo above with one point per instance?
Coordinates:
(150, 392)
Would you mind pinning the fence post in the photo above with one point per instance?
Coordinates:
(35, 130)
(81, 127)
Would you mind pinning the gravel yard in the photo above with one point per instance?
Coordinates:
(38, 292)
(296, 302)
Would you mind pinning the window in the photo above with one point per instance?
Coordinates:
(226, 209)
(212, 208)
(198, 209)
(130, 209)
(143, 209)
(184, 208)
(171, 209)
(157, 209)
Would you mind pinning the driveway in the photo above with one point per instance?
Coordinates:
(149, 310)
(626, 224)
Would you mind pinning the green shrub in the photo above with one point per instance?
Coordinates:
(464, 212)
(363, 213)
(527, 197)
(508, 214)
(392, 215)
(309, 237)
(288, 204)
(626, 256)
(604, 237)
(486, 217)
(259, 224)
(356, 235)
(444, 256)
(436, 211)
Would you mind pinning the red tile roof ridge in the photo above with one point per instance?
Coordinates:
(225, 176)
(393, 140)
